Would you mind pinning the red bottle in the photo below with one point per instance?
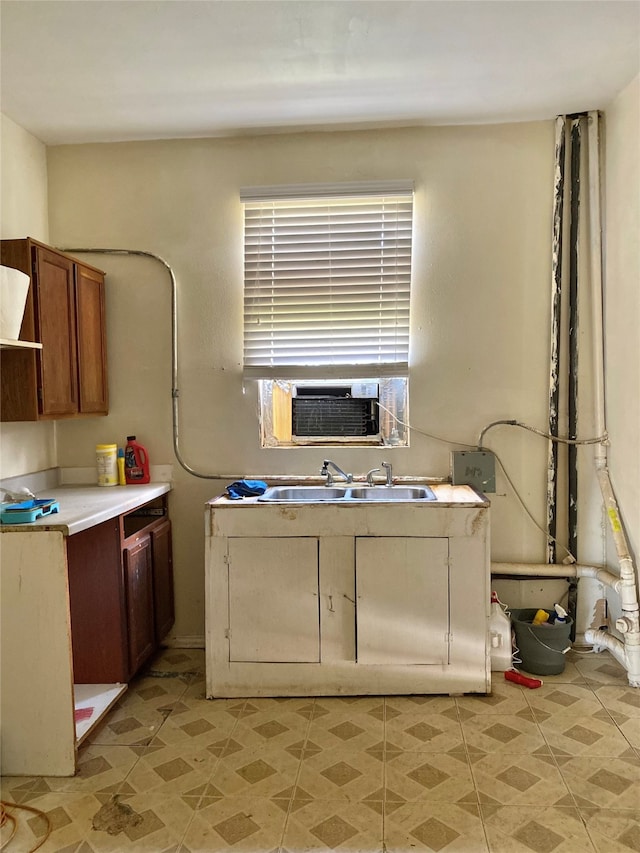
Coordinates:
(136, 462)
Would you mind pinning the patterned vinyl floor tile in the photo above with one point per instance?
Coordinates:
(171, 770)
(131, 725)
(69, 816)
(531, 829)
(178, 660)
(260, 771)
(340, 773)
(395, 705)
(596, 735)
(612, 783)
(602, 669)
(197, 727)
(155, 692)
(139, 823)
(425, 732)
(505, 698)
(14, 788)
(276, 726)
(519, 780)
(551, 770)
(572, 700)
(613, 830)
(434, 827)
(328, 825)
(622, 700)
(100, 768)
(428, 777)
(240, 824)
(513, 734)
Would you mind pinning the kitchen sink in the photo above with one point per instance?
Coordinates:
(303, 493)
(316, 494)
(393, 493)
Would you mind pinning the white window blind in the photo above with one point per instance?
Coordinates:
(327, 281)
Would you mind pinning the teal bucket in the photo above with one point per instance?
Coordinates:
(541, 648)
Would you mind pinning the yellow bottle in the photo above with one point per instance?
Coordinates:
(540, 617)
(121, 475)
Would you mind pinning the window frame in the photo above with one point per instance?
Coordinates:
(327, 286)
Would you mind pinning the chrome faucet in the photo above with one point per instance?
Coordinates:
(370, 476)
(387, 465)
(325, 472)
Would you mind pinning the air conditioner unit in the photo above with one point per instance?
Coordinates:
(335, 410)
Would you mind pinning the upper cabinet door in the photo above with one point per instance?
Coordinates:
(56, 325)
(92, 350)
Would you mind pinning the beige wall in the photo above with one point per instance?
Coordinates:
(480, 305)
(23, 212)
(622, 304)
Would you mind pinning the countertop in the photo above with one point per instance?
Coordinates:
(446, 495)
(83, 506)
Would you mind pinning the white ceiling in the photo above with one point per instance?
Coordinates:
(106, 70)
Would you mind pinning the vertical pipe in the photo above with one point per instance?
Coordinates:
(595, 244)
(556, 294)
(572, 450)
(629, 624)
(573, 336)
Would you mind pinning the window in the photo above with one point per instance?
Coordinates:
(326, 306)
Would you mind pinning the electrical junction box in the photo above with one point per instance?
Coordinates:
(475, 468)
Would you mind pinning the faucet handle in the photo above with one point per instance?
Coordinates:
(389, 469)
(370, 476)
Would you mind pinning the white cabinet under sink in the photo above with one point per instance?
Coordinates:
(328, 599)
(273, 600)
(402, 600)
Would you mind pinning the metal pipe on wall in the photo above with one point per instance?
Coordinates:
(629, 623)
(175, 393)
(572, 450)
(556, 303)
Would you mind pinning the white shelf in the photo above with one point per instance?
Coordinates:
(97, 697)
(8, 344)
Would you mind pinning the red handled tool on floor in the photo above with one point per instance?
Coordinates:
(518, 678)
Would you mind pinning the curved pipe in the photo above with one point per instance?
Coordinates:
(175, 393)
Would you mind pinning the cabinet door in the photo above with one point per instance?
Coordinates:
(92, 352)
(56, 329)
(96, 596)
(139, 594)
(162, 579)
(273, 600)
(402, 600)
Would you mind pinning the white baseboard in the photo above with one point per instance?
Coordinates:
(194, 642)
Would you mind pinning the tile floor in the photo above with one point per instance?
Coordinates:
(553, 770)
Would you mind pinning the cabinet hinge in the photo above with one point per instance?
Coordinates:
(448, 638)
(227, 633)
(40, 394)
(226, 559)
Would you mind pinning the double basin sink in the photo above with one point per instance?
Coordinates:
(316, 494)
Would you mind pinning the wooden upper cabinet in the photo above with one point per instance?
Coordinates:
(52, 279)
(92, 345)
(65, 313)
